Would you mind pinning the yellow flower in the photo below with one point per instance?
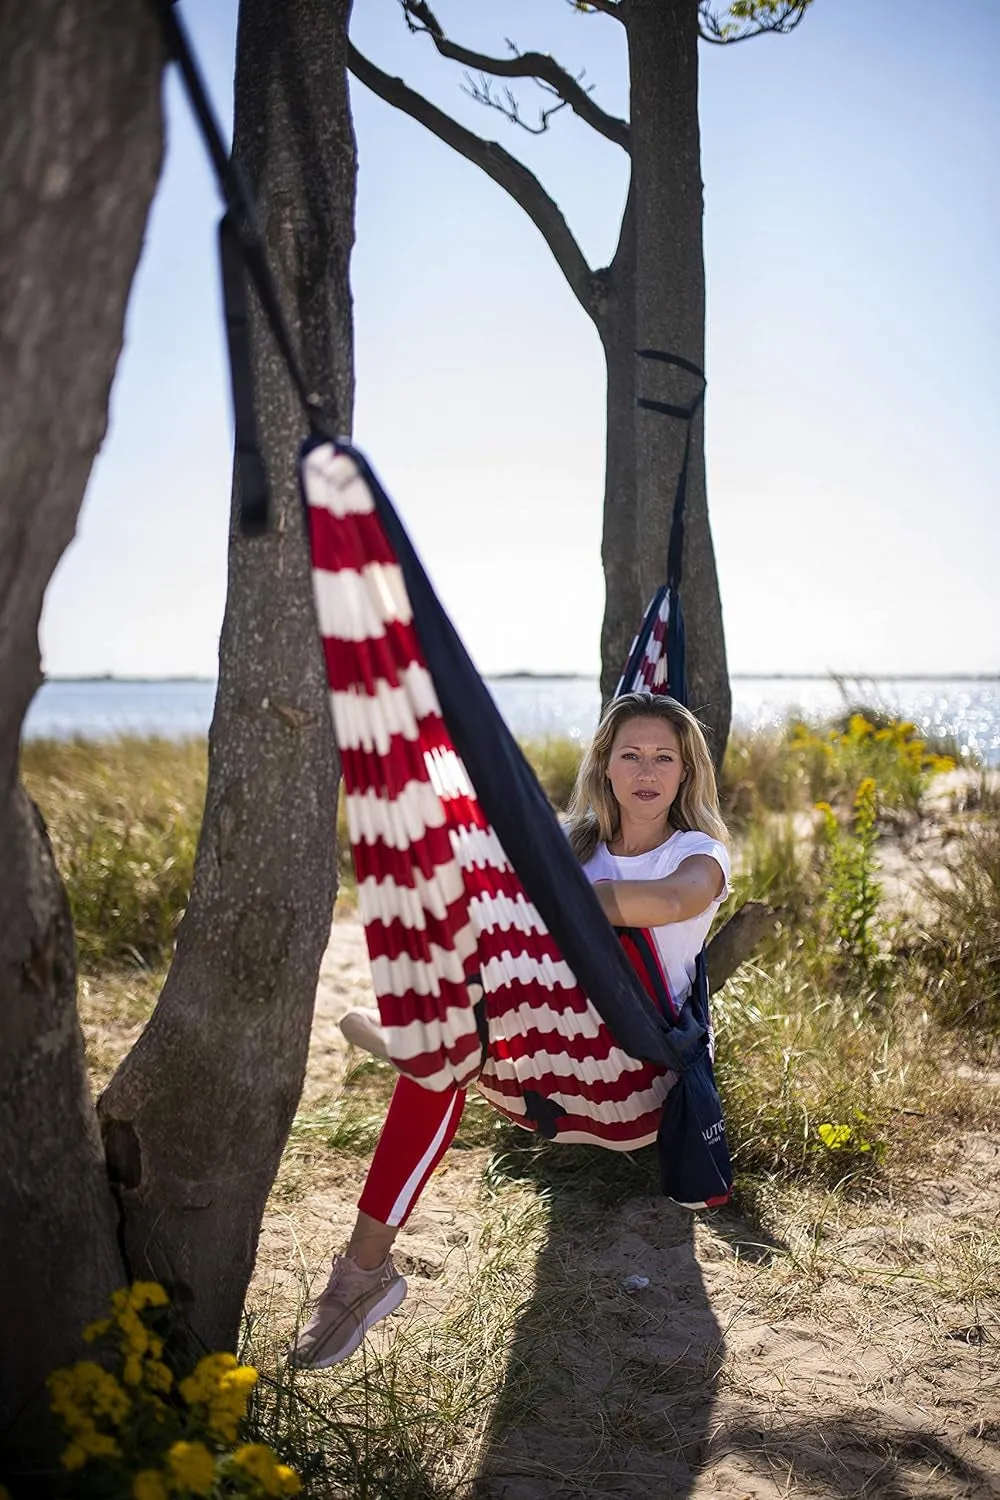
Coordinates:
(203, 1382)
(83, 1391)
(260, 1462)
(74, 1457)
(192, 1467)
(96, 1330)
(150, 1484)
(136, 1334)
(119, 1299)
(158, 1376)
(89, 1443)
(289, 1481)
(147, 1294)
(223, 1387)
(132, 1370)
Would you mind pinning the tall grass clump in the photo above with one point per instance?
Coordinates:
(408, 1418)
(776, 863)
(555, 761)
(758, 776)
(959, 939)
(123, 817)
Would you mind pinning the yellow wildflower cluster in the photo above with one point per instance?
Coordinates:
(149, 1438)
(259, 1462)
(87, 1399)
(141, 1349)
(221, 1387)
(835, 760)
(189, 1468)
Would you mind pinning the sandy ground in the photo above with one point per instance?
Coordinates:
(854, 1352)
(856, 1355)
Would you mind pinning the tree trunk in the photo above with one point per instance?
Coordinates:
(80, 147)
(623, 600)
(197, 1116)
(670, 316)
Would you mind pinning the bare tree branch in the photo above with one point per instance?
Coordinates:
(536, 65)
(505, 170)
(736, 939)
(482, 91)
(749, 18)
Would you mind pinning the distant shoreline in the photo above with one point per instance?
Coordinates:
(592, 677)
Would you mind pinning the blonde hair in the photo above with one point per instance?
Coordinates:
(593, 815)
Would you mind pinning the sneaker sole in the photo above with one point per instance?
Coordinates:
(360, 1031)
(393, 1298)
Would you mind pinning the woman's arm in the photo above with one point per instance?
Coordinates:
(693, 886)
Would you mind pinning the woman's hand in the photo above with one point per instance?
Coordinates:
(693, 886)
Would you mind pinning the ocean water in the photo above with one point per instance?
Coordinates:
(534, 707)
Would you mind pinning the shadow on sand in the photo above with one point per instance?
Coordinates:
(610, 1385)
(612, 1389)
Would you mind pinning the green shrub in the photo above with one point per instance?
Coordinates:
(849, 911)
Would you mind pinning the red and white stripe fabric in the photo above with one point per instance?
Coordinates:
(650, 673)
(438, 896)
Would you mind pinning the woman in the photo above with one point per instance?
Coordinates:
(644, 822)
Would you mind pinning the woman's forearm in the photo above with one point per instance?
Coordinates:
(653, 903)
(637, 903)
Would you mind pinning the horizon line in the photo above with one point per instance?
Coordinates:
(526, 675)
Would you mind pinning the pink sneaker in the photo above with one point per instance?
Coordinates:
(363, 1028)
(353, 1301)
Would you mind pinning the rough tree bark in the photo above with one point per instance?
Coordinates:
(669, 310)
(652, 295)
(80, 148)
(623, 603)
(196, 1117)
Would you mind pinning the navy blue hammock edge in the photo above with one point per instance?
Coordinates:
(465, 877)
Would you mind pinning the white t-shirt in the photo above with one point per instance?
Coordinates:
(679, 943)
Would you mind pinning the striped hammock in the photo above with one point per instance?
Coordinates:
(465, 880)
(464, 875)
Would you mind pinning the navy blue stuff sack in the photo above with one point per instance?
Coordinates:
(695, 1169)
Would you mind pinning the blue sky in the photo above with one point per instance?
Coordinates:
(852, 216)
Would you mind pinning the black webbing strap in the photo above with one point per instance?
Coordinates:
(675, 547)
(241, 253)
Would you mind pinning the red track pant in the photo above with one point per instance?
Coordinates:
(418, 1130)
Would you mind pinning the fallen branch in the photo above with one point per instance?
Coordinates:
(734, 943)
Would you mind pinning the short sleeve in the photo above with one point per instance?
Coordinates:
(699, 843)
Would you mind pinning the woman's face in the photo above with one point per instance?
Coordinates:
(645, 768)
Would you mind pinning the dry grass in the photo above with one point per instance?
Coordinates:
(123, 817)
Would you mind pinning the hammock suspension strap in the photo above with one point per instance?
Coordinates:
(241, 254)
(686, 414)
